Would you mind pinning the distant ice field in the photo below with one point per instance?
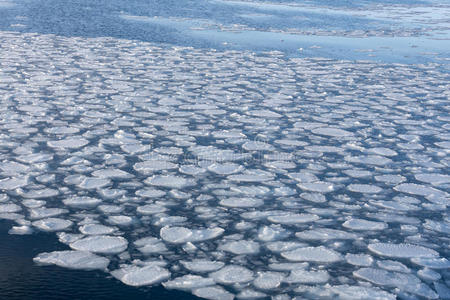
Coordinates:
(406, 31)
(228, 174)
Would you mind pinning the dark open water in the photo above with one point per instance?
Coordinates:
(21, 279)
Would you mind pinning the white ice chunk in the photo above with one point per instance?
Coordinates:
(401, 250)
(240, 247)
(361, 224)
(69, 143)
(331, 131)
(52, 224)
(303, 276)
(202, 266)
(314, 254)
(73, 260)
(101, 244)
(96, 229)
(432, 262)
(364, 188)
(188, 282)
(213, 293)
(363, 260)
(232, 274)
(169, 181)
(405, 282)
(241, 202)
(292, 218)
(140, 276)
(82, 202)
(268, 280)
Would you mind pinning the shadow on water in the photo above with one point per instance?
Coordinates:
(21, 279)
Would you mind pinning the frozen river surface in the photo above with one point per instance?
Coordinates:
(197, 147)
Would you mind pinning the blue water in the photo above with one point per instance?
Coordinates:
(20, 279)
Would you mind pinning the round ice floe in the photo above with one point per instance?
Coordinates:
(241, 202)
(150, 166)
(252, 176)
(364, 188)
(101, 244)
(213, 293)
(318, 186)
(69, 143)
(169, 181)
(356, 292)
(232, 274)
(432, 262)
(405, 282)
(390, 178)
(82, 202)
(363, 260)
(40, 194)
(323, 234)
(176, 235)
(392, 265)
(268, 280)
(191, 170)
(331, 131)
(73, 260)
(52, 224)
(91, 183)
(149, 245)
(369, 160)
(140, 276)
(417, 189)
(253, 190)
(401, 250)
(303, 176)
(311, 277)
(150, 209)
(96, 229)
(433, 178)
(272, 233)
(202, 266)
(281, 246)
(291, 218)
(361, 224)
(120, 220)
(188, 282)
(314, 254)
(9, 208)
(150, 193)
(314, 197)
(13, 183)
(112, 173)
(257, 146)
(240, 247)
(382, 151)
(225, 168)
(44, 212)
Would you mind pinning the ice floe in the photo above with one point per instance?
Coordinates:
(73, 260)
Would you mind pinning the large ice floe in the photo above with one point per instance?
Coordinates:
(228, 174)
